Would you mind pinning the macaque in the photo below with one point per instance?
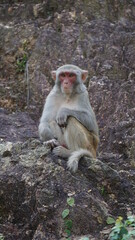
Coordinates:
(68, 123)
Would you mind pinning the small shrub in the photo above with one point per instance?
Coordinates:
(123, 230)
(1, 236)
(21, 63)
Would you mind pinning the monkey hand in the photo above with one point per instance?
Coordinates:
(61, 117)
(52, 143)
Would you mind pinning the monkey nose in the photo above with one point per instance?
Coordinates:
(66, 82)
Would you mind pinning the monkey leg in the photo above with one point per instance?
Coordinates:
(57, 132)
(95, 141)
(45, 132)
(77, 136)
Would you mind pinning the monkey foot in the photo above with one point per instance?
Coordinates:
(52, 143)
(61, 152)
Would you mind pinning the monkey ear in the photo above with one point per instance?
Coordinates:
(53, 73)
(84, 75)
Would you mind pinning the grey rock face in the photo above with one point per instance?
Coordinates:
(35, 38)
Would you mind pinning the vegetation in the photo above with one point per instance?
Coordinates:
(122, 230)
(1, 236)
(23, 58)
(21, 63)
(67, 221)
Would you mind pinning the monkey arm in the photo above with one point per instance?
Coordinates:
(86, 118)
(44, 129)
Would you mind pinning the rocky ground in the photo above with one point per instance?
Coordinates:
(37, 37)
(35, 187)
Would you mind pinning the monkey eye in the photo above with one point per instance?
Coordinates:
(62, 75)
(71, 74)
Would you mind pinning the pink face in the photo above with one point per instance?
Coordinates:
(67, 80)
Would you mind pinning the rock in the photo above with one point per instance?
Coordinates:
(35, 187)
(37, 37)
(5, 150)
(16, 127)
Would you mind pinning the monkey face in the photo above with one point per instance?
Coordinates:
(67, 80)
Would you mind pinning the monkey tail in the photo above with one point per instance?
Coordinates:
(75, 157)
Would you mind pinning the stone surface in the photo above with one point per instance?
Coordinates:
(17, 126)
(35, 185)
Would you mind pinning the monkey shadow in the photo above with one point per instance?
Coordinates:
(83, 165)
(58, 160)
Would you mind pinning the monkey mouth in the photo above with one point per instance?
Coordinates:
(66, 89)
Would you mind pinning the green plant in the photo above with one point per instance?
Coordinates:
(102, 190)
(67, 221)
(1, 236)
(122, 230)
(21, 63)
(23, 56)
